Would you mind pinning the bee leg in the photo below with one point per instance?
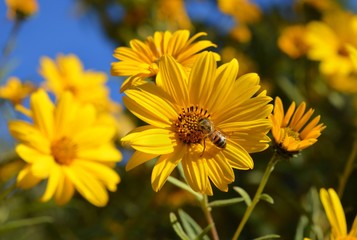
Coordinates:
(204, 147)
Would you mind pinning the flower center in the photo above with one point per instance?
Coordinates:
(64, 150)
(187, 124)
(291, 133)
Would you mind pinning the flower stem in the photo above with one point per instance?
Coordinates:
(207, 211)
(9, 44)
(263, 182)
(348, 170)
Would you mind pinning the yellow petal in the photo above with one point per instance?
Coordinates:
(55, 177)
(220, 172)
(196, 172)
(42, 167)
(164, 166)
(26, 179)
(237, 156)
(138, 158)
(87, 185)
(89, 137)
(29, 135)
(106, 175)
(201, 79)
(173, 80)
(43, 109)
(151, 140)
(150, 108)
(30, 154)
(65, 190)
(104, 153)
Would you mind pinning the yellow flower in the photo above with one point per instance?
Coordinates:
(290, 131)
(336, 216)
(21, 9)
(174, 13)
(67, 73)
(328, 40)
(15, 91)
(291, 41)
(141, 60)
(66, 146)
(207, 120)
(244, 12)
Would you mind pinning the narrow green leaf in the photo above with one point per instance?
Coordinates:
(267, 198)
(177, 227)
(203, 234)
(190, 225)
(270, 236)
(184, 186)
(11, 225)
(244, 195)
(225, 202)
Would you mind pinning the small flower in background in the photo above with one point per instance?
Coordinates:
(291, 130)
(207, 120)
(10, 169)
(21, 9)
(15, 91)
(174, 13)
(327, 42)
(291, 41)
(244, 13)
(336, 216)
(141, 60)
(66, 145)
(67, 73)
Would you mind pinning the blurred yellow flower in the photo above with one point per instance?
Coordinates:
(207, 120)
(291, 41)
(174, 13)
(141, 60)
(15, 91)
(244, 12)
(66, 145)
(21, 9)
(336, 216)
(67, 73)
(328, 40)
(290, 131)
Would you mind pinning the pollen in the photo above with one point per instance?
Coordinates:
(187, 124)
(64, 150)
(291, 133)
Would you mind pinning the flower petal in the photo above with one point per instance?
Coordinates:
(151, 140)
(164, 166)
(26, 179)
(54, 179)
(65, 190)
(103, 153)
(138, 158)
(237, 156)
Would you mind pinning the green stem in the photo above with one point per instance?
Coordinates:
(348, 170)
(9, 44)
(207, 211)
(250, 208)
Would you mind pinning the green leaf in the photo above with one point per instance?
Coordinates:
(244, 195)
(11, 225)
(203, 234)
(267, 198)
(177, 227)
(189, 224)
(225, 202)
(270, 236)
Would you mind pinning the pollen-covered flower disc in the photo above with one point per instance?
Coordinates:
(207, 120)
(66, 145)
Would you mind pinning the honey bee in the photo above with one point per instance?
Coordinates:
(215, 136)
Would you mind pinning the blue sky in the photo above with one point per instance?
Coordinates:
(57, 28)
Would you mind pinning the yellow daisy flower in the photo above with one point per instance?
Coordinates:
(15, 91)
(174, 13)
(336, 216)
(67, 73)
(21, 9)
(207, 120)
(290, 131)
(141, 60)
(66, 146)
